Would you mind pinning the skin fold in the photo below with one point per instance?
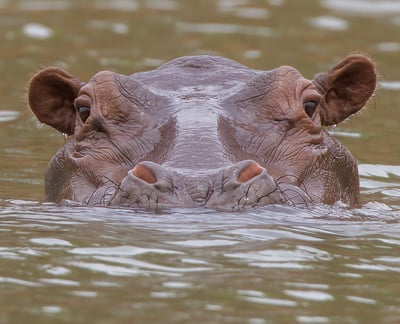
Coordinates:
(202, 131)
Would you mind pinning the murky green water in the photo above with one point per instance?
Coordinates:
(268, 265)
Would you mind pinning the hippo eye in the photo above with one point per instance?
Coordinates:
(84, 112)
(309, 107)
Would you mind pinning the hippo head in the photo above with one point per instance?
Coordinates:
(202, 131)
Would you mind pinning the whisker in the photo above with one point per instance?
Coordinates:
(297, 195)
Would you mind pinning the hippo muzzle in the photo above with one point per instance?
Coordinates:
(202, 131)
(243, 184)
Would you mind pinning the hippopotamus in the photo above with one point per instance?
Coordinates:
(202, 131)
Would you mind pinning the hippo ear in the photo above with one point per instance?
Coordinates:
(51, 96)
(346, 88)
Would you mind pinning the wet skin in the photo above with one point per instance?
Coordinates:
(202, 131)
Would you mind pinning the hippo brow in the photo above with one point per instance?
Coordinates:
(132, 90)
(257, 88)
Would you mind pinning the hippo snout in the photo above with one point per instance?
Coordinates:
(148, 185)
(245, 184)
(151, 185)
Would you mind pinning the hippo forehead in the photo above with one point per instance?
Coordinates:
(200, 78)
(198, 74)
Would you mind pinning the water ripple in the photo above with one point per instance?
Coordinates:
(106, 269)
(38, 31)
(215, 28)
(265, 234)
(362, 300)
(151, 266)
(259, 297)
(390, 85)
(312, 319)
(50, 241)
(8, 115)
(270, 301)
(329, 23)
(120, 250)
(120, 5)
(60, 282)
(165, 5)
(204, 243)
(311, 295)
(19, 282)
(285, 259)
(43, 5)
(364, 7)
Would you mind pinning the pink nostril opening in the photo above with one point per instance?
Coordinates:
(250, 171)
(144, 173)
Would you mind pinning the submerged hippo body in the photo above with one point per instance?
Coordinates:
(202, 131)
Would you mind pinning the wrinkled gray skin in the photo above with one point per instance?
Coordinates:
(202, 131)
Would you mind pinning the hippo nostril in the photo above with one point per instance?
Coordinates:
(249, 172)
(146, 174)
(151, 175)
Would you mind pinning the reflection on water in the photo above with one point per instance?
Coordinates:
(8, 115)
(391, 85)
(270, 265)
(36, 31)
(207, 28)
(364, 7)
(330, 23)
